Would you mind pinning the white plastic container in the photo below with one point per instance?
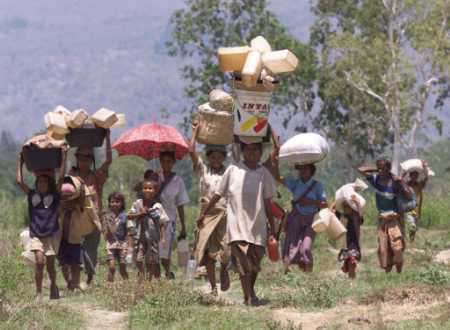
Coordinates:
(191, 268)
(322, 220)
(55, 123)
(304, 148)
(104, 118)
(121, 122)
(77, 118)
(232, 58)
(280, 61)
(183, 253)
(260, 44)
(252, 69)
(335, 228)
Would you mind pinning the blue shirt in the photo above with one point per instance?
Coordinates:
(43, 213)
(298, 187)
(385, 196)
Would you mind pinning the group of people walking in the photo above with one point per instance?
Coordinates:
(234, 224)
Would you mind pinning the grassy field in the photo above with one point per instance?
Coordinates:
(416, 299)
(326, 299)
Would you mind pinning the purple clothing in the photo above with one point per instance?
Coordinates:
(69, 254)
(299, 239)
(43, 213)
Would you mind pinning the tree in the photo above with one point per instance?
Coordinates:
(205, 25)
(380, 63)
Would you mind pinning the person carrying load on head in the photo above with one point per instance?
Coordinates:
(249, 188)
(95, 179)
(388, 188)
(308, 198)
(211, 245)
(351, 215)
(43, 211)
(412, 218)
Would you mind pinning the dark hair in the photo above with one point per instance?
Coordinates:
(387, 163)
(51, 183)
(311, 166)
(209, 152)
(259, 144)
(170, 154)
(119, 197)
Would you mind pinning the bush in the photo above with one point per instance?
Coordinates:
(433, 275)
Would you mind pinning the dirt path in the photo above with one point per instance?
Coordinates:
(97, 318)
(353, 317)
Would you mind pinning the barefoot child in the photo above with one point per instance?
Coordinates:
(151, 221)
(211, 246)
(249, 188)
(118, 239)
(43, 207)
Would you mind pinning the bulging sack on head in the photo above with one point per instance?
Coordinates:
(215, 127)
(304, 148)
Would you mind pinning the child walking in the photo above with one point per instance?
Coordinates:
(151, 221)
(115, 227)
(43, 207)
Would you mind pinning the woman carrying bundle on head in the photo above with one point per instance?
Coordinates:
(211, 245)
(308, 198)
(95, 179)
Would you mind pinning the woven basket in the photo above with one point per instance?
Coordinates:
(216, 127)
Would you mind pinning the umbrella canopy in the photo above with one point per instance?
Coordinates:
(148, 140)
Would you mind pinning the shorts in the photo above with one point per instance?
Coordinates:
(48, 245)
(147, 252)
(69, 254)
(165, 249)
(247, 257)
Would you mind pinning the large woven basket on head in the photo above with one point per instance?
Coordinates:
(216, 127)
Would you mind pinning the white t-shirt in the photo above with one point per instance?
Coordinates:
(245, 190)
(209, 183)
(173, 196)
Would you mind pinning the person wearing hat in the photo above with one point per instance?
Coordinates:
(211, 244)
(95, 179)
(249, 188)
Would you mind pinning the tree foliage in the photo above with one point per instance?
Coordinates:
(205, 25)
(380, 64)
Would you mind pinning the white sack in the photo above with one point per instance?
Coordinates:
(304, 148)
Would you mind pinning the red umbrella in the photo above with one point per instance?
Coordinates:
(148, 140)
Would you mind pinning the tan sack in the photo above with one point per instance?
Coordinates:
(215, 127)
(121, 122)
(104, 118)
(220, 100)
